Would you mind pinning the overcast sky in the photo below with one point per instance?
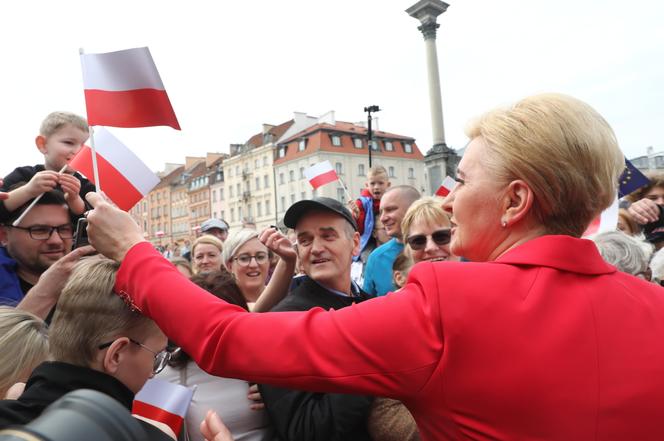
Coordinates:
(228, 67)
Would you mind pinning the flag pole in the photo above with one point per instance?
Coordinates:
(33, 203)
(350, 199)
(95, 170)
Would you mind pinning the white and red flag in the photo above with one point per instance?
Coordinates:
(321, 174)
(163, 402)
(606, 221)
(126, 178)
(446, 187)
(124, 89)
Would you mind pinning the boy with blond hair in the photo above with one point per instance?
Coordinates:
(365, 209)
(61, 136)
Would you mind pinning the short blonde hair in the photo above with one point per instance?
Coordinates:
(23, 345)
(207, 239)
(428, 209)
(56, 120)
(377, 170)
(563, 149)
(234, 242)
(89, 314)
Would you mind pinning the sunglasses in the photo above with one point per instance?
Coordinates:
(440, 237)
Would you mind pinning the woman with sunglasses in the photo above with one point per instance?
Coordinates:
(248, 260)
(537, 338)
(426, 231)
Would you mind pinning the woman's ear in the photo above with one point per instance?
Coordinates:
(519, 199)
(115, 355)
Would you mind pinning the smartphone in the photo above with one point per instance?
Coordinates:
(81, 234)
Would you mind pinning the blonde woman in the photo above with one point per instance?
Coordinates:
(206, 254)
(425, 229)
(23, 346)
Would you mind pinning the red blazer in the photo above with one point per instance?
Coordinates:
(546, 343)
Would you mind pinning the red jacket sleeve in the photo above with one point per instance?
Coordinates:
(387, 346)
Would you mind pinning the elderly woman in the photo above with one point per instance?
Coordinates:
(426, 231)
(628, 254)
(537, 338)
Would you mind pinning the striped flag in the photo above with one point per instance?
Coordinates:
(321, 174)
(446, 187)
(164, 402)
(606, 221)
(124, 89)
(126, 178)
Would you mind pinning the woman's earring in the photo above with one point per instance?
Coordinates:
(503, 223)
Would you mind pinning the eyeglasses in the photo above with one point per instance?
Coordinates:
(440, 237)
(245, 259)
(44, 232)
(161, 359)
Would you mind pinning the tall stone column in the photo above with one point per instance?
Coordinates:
(440, 160)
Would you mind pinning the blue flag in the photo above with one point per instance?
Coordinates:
(631, 179)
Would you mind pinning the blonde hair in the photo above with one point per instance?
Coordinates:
(377, 170)
(89, 314)
(235, 241)
(56, 120)
(23, 345)
(209, 240)
(428, 209)
(563, 149)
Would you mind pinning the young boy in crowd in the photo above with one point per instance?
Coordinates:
(366, 208)
(61, 136)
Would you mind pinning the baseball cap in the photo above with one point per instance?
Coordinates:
(299, 209)
(213, 223)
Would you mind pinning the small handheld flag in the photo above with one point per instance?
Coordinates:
(321, 174)
(164, 402)
(446, 187)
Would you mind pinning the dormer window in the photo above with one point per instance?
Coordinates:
(336, 140)
(281, 152)
(407, 147)
(357, 143)
(302, 144)
(389, 147)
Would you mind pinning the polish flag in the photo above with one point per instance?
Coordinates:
(446, 187)
(123, 89)
(321, 174)
(125, 178)
(606, 221)
(163, 402)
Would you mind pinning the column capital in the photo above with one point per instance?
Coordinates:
(429, 30)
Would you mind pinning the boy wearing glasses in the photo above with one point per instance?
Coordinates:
(97, 342)
(43, 237)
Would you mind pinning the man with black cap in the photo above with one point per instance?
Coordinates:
(327, 239)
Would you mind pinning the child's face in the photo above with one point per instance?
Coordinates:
(60, 147)
(377, 185)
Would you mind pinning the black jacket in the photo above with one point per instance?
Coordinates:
(24, 174)
(298, 415)
(51, 380)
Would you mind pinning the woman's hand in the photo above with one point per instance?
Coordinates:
(255, 396)
(278, 244)
(644, 211)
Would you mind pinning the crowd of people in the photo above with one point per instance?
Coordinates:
(396, 316)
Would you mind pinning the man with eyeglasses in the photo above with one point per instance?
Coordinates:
(327, 239)
(42, 238)
(378, 270)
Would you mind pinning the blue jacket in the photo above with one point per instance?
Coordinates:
(10, 288)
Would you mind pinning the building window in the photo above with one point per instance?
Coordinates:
(411, 173)
(238, 191)
(341, 196)
(407, 147)
(267, 207)
(390, 171)
(264, 161)
(292, 199)
(223, 214)
(259, 209)
(388, 146)
(281, 152)
(303, 195)
(360, 169)
(339, 168)
(239, 214)
(283, 203)
(258, 183)
(374, 145)
(237, 170)
(232, 214)
(301, 172)
(266, 181)
(336, 140)
(230, 171)
(256, 163)
(291, 175)
(357, 143)
(214, 195)
(221, 194)
(230, 190)
(281, 178)
(301, 145)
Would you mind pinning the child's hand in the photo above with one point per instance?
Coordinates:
(352, 206)
(42, 182)
(3, 195)
(71, 186)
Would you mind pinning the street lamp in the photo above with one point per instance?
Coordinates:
(370, 133)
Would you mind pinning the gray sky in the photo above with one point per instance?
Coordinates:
(228, 67)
